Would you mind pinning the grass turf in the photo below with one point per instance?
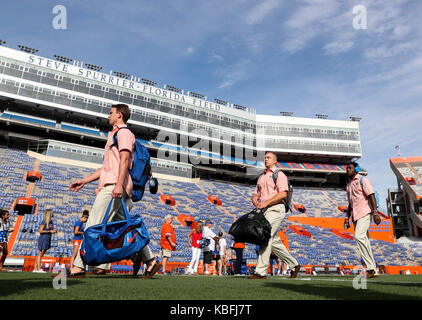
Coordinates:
(30, 286)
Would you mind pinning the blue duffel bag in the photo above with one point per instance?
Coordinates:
(113, 241)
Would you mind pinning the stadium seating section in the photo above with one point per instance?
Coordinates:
(324, 247)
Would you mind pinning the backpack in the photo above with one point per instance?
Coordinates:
(376, 194)
(288, 200)
(141, 168)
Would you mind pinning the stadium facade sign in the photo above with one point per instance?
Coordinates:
(113, 80)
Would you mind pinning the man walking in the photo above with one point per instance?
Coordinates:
(270, 196)
(167, 241)
(362, 206)
(114, 183)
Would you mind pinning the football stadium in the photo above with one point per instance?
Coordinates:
(207, 154)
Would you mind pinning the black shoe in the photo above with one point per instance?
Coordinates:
(371, 274)
(149, 274)
(78, 275)
(99, 272)
(294, 272)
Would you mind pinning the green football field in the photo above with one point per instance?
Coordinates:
(29, 286)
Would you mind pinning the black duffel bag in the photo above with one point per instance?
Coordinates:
(252, 227)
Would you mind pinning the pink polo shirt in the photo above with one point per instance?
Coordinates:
(266, 185)
(358, 197)
(110, 169)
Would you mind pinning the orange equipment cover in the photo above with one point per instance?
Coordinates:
(300, 207)
(25, 201)
(167, 199)
(33, 174)
(342, 208)
(214, 200)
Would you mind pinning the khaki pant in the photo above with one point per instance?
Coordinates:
(165, 253)
(362, 239)
(274, 214)
(96, 216)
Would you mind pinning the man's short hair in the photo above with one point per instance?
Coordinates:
(124, 110)
(272, 153)
(85, 213)
(168, 216)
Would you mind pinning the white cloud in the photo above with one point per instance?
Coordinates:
(190, 50)
(390, 50)
(307, 22)
(338, 47)
(234, 74)
(215, 57)
(260, 11)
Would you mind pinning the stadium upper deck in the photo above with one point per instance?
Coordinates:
(405, 203)
(50, 84)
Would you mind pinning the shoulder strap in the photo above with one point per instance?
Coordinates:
(115, 142)
(275, 176)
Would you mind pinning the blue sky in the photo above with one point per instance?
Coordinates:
(301, 56)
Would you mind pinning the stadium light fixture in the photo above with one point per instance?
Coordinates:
(171, 88)
(286, 114)
(355, 119)
(148, 82)
(321, 116)
(196, 95)
(121, 74)
(238, 106)
(222, 102)
(2, 42)
(27, 49)
(92, 67)
(63, 59)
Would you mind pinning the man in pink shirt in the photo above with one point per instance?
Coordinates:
(270, 197)
(114, 183)
(362, 205)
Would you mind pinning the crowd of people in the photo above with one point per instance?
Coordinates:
(269, 196)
